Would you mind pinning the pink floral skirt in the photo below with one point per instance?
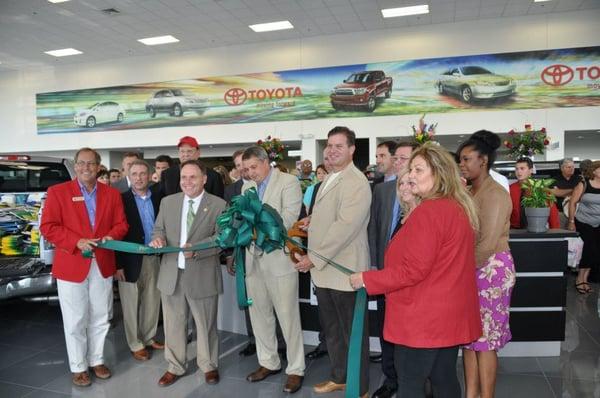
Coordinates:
(495, 281)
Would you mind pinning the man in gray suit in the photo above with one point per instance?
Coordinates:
(124, 183)
(271, 278)
(189, 282)
(385, 219)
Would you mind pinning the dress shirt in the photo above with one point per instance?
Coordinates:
(146, 212)
(390, 178)
(90, 202)
(330, 178)
(262, 187)
(184, 226)
(396, 211)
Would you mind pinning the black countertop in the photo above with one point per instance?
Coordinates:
(550, 234)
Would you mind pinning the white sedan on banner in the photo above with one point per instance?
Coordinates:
(100, 112)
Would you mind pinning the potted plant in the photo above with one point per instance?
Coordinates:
(537, 199)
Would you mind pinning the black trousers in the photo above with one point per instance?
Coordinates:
(415, 365)
(336, 310)
(387, 349)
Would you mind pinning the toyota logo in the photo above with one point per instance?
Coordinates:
(557, 75)
(235, 96)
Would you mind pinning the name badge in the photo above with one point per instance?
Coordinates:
(77, 199)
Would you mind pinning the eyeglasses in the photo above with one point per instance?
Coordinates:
(81, 163)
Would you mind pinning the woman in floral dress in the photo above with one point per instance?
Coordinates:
(495, 267)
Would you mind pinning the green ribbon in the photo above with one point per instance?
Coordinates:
(248, 220)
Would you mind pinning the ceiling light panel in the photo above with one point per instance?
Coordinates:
(271, 26)
(58, 1)
(154, 41)
(404, 11)
(63, 52)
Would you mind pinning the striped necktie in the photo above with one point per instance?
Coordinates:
(190, 215)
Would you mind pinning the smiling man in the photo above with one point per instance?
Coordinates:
(77, 214)
(189, 282)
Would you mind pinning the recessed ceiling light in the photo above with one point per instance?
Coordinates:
(153, 41)
(580, 137)
(63, 52)
(404, 11)
(540, 1)
(270, 26)
(58, 1)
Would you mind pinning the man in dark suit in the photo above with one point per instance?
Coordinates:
(189, 149)
(384, 159)
(385, 218)
(137, 274)
(236, 188)
(125, 182)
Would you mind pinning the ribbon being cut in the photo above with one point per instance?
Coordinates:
(248, 220)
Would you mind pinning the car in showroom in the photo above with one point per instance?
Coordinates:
(25, 255)
(175, 103)
(474, 83)
(361, 90)
(100, 112)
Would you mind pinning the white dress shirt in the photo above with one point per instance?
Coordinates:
(184, 232)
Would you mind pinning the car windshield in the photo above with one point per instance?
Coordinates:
(359, 78)
(475, 70)
(25, 176)
(177, 93)
(93, 106)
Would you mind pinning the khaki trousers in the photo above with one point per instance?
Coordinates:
(140, 301)
(176, 309)
(270, 293)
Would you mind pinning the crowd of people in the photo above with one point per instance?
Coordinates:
(427, 238)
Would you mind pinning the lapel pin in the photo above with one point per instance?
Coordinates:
(205, 209)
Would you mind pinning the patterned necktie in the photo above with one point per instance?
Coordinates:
(190, 215)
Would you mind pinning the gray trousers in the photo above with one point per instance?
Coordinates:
(336, 310)
(140, 301)
(176, 309)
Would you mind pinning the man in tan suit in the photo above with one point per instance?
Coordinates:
(189, 282)
(337, 229)
(271, 279)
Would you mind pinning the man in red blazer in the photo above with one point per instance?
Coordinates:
(524, 170)
(76, 215)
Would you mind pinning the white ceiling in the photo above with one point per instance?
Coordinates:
(30, 27)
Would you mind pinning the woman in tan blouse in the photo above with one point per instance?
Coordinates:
(495, 267)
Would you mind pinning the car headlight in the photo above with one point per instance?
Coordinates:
(360, 91)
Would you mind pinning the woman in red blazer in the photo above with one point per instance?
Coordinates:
(429, 278)
(524, 170)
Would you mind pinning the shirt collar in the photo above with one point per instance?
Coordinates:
(196, 200)
(266, 180)
(390, 178)
(147, 196)
(84, 189)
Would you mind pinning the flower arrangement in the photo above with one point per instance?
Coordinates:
(537, 192)
(425, 132)
(526, 143)
(274, 148)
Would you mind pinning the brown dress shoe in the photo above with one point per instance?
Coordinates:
(328, 386)
(81, 379)
(101, 372)
(261, 373)
(141, 355)
(293, 383)
(211, 377)
(167, 379)
(157, 346)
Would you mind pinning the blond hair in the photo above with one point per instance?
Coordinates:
(446, 179)
(403, 204)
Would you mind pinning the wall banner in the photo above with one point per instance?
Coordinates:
(523, 80)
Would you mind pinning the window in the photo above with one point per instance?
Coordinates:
(19, 176)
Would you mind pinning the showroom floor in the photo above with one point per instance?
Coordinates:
(33, 362)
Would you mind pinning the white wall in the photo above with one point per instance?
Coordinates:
(17, 102)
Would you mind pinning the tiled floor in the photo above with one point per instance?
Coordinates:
(33, 362)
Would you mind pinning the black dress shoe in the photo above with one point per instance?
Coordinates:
(316, 353)
(375, 358)
(249, 350)
(383, 392)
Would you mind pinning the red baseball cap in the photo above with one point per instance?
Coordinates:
(187, 140)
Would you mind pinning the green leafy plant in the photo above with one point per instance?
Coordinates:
(536, 192)
(526, 143)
